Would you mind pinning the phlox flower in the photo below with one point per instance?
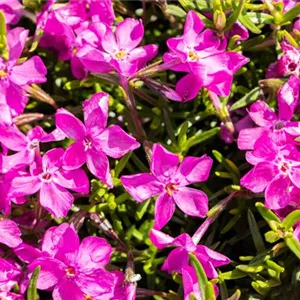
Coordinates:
(9, 276)
(26, 146)
(93, 141)
(287, 64)
(276, 171)
(15, 75)
(73, 270)
(117, 51)
(9, 233)
(179, 257)
(279, 128)
(12, 11)
(202, 53)
(169, 181)
(10, 296)
(52, 181)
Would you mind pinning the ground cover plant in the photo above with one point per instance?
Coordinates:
(149, 149)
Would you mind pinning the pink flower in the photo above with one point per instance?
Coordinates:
(9, 233)
(169, 181)
(9, 275)
(10, 296)
(118, 50)
(288, 64)
(73, 270)
(203, 54)
(93, 140)
(179, 257)
(52, 182)
(12, 10)
(279, 128)
(5, 185)
(276, 171)
(15, 76)
(26, 146)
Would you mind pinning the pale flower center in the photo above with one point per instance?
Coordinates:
(278, 125)
(193, 55)
(34, 143)
(46, 176)
(284, 167)
(87, 144)
(171, 187)
(121, 54)
(70, 272)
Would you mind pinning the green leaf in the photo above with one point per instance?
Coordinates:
(250, 269)
(272, 236)
(195, 4)
(247, 99)
(175, 11)
(293, 244)
(260, 18)
(209, 291)
(291, 14)
(182, 137)
(202, 279)
(32, 292)
(231, 275)
(235, 15)
(122, 164)
(267, 214)
(228, 165)
(236, 295)
(201, 137)
(141, 209)
(247, 22)
(254, 229)
(291, 219)
(281, 34)
(3, 42)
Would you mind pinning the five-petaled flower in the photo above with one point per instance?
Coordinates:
(170, 181)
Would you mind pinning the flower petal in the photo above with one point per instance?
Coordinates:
(262, 114)
(164, 210)
(67, 289)
(16, 39)
(193, 169)
(50, 274)
(75, 180)
(96, 110)
(12, 138)
(259, 177)
(31, 71)
(163, 163)
(248, 136)
(69, 125)
(74, 156)
(160, 239)
(176, 260)
(142, 186)
(52, 159)
(115, 142)
(191, 201)
(10, 233)
(94, 253)
(129, 33)
(26, 185)
(276, 194)
(56, 199)
(97, 162)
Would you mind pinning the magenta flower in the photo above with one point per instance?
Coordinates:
(279, 128)
(170, 181)
(12, 11)
(52, 181)
(73, 270)
(26, 146)
(9, 275)
(288, 64)
(14, 76)
(10, 296)
(179, 257)
(118, 51)
(5, 185)
(203, 54)
(9, 233)
(93, 140)
(276, 171)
